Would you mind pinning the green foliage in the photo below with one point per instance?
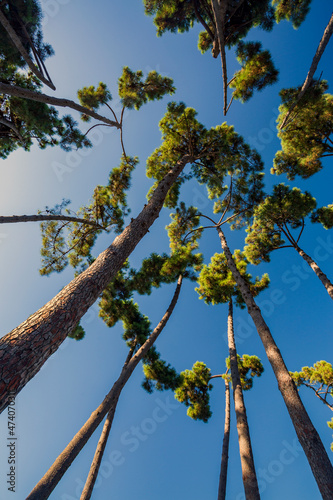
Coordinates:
(248, 368)
(78, 333)
(193, 391)
(217, 284)
(27, 120)
(294, 11)
(134, 92)
(330, 425)
(257, 71)
(93, 98)
(71, 242)
(308, 136)
(25, 17)
(324, 215)
(159, 375)
(285, 207)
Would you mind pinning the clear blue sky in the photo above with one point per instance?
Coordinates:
(155, 451)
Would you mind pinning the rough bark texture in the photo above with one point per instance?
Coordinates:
(323, 278)
(245, 449)
(18, 44)
(306, 433)
(95, 465)
(46, 485)
(55, 101)
(225, 446)
(43, 217)
(315, 61)
(25, 349)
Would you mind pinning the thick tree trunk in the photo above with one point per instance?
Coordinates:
(245, 449)
(25, 349)
(46, 485)
(308, 80)
(55, 101)
(18, 44)
(323, 278)
(225, 446)
(219, 11)
(10, 219)
(306, 433)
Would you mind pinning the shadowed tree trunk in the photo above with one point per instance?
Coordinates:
(306, 433)
(25, 349)
(309, 78)
(245, 449)
(219, 15)
(55, 101)
(225, 446)
(49, 481)
(10, 219)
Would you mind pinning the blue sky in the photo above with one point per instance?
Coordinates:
(155, 451)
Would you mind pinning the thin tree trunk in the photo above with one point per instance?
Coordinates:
(56, 101)
(11, 125)
(25, 349)
(306, 433)
(18, 44)
(225, 446)
(320, 50)
(245, 449)
(10, 219)
(219, 15)
(97, 460)
(323, 278)
(46, 485)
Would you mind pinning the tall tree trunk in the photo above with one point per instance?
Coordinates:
(10, 219)
(55, 101)
(97, 460)
(49, 481)
(225, 446)
(323, 278)
(245, 449)
(18, 44)
(219, 10)
(95, 465)
(306, 433)
(25, 349)
(308, 80)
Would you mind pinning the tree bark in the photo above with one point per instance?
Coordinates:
(56, 101)
(323, 278)
(225, 446)
(245, 449)
(18, 44)
(49, 481)
(306, 433)
(4, 219)
(25, 349)
(219, 15)
(315, 61)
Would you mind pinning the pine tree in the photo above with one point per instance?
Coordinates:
(276, 218)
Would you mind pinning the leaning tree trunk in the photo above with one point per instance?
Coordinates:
(25, 349)
(306, 433)
(49, 481)
(323, 278)
(225, 446)
(309, 77)
(245, 449)
(18, 44)
(55, 101)
(11, 219)
(97, 460)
